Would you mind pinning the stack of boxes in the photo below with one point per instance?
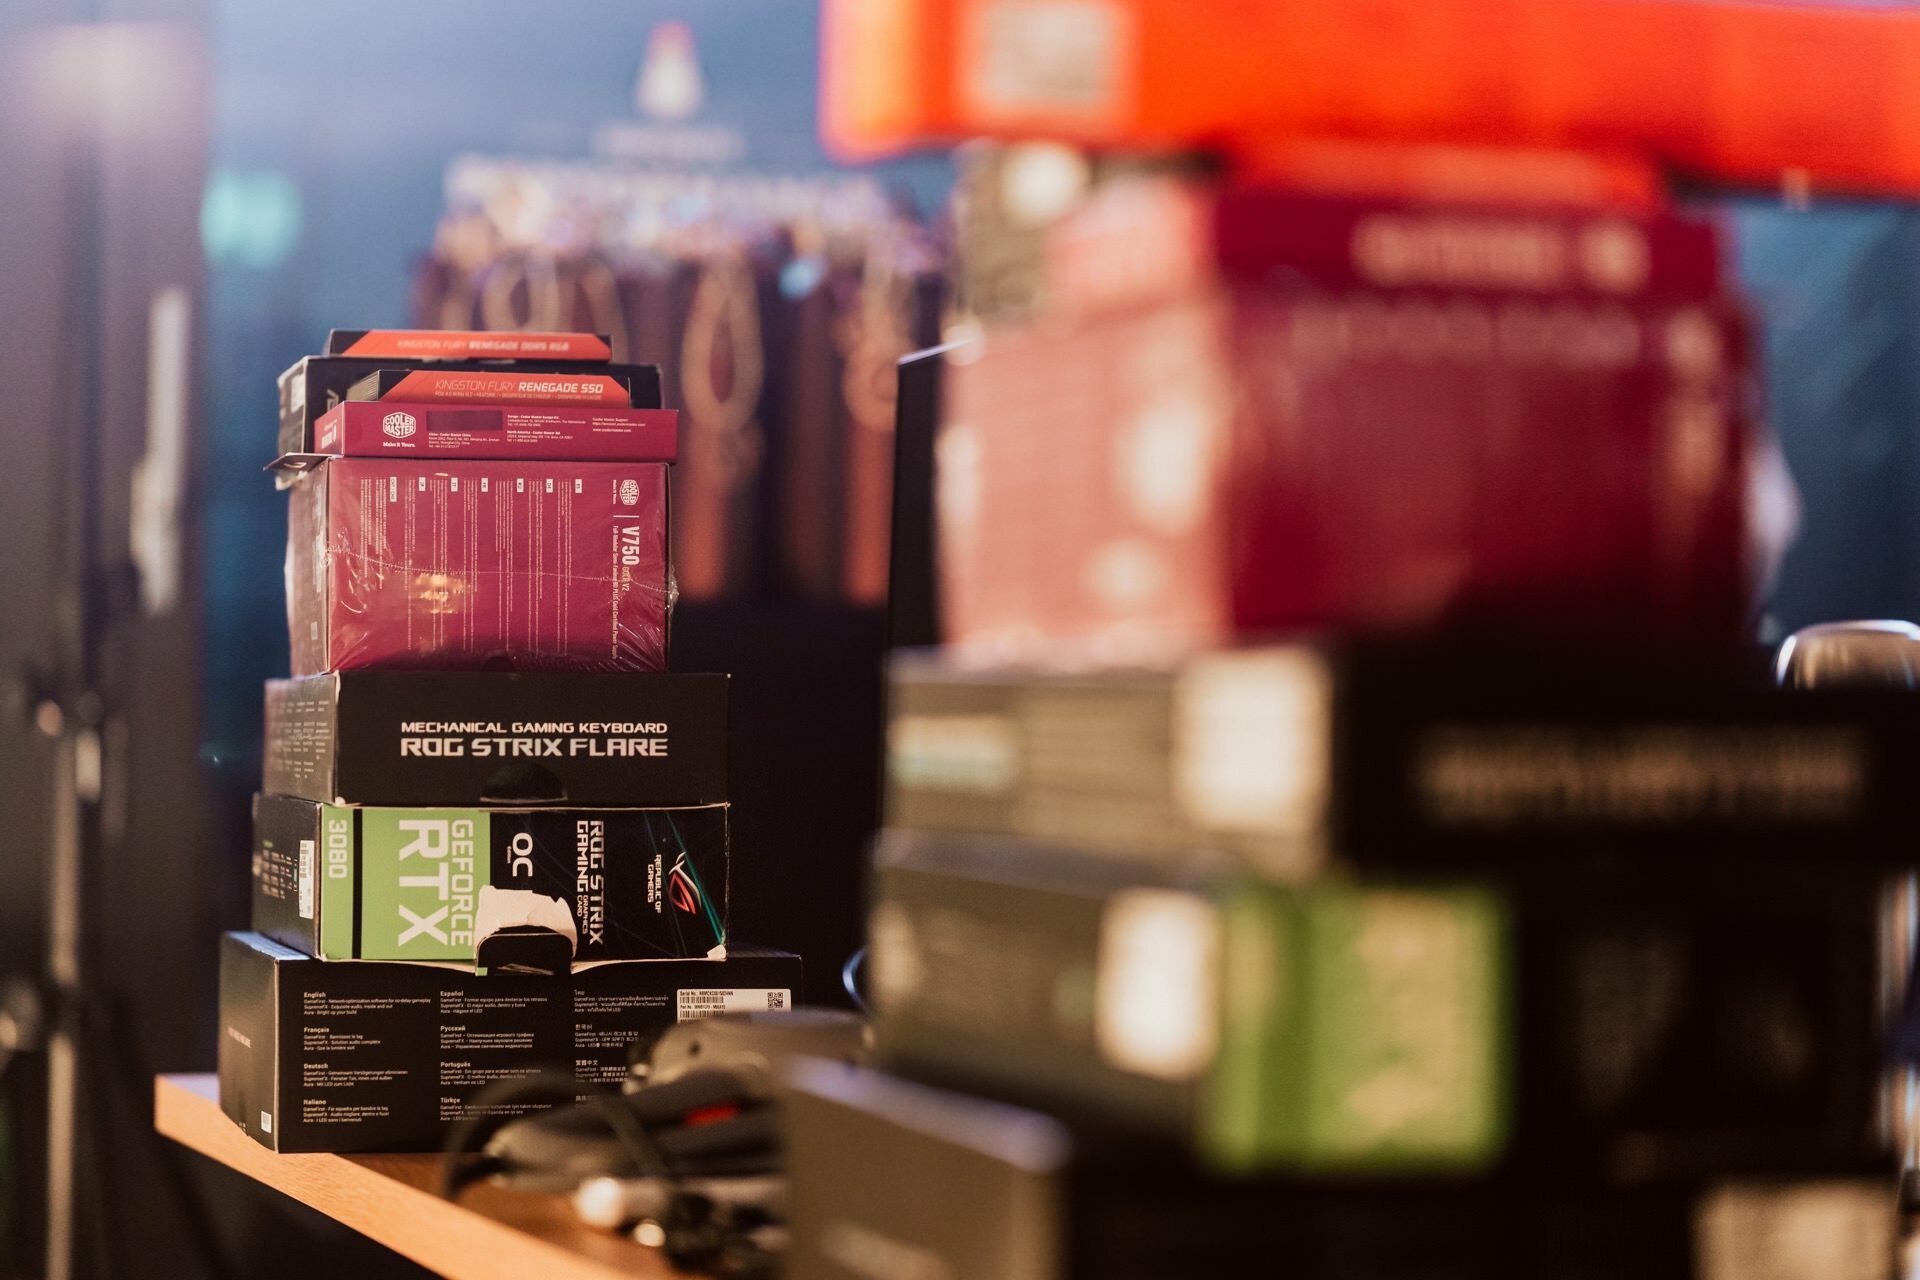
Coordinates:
(1340, 831)
(491, 838)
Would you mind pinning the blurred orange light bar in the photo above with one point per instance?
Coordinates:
(1739, 91)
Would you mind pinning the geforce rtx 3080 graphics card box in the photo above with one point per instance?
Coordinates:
(496, 888)
(655, 740)
(319, 1055)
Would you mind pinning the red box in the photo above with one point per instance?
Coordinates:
(1729, 90)
(533, 432)
(524, 566)
(1279, 412)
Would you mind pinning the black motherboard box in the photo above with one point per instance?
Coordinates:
(325, 1056)
(535, 889)
(470, 738)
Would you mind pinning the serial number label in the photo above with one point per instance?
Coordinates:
(705, 1002)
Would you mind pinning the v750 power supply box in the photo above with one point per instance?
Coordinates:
(454, 884)
(528, 566)
(468, 738)
(322, 1056)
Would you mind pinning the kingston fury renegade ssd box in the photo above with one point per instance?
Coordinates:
(316, 1056)
(461, 885)
(458, 386)
(657, 739)
(470, 565)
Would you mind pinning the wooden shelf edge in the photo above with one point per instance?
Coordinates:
(386, 1199)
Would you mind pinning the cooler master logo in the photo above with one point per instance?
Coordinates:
(681, 889)
(399, 425)
(629, 492)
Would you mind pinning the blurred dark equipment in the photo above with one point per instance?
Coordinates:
(99, 666)
(913, 596)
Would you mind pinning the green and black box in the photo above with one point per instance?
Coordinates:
(343, 882)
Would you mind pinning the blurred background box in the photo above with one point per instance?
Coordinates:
(900, 1179)
(1357, 1030)
(1667, 1022)
(1298, 757)
(1210, 434)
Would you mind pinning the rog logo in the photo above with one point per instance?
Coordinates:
(681, 890)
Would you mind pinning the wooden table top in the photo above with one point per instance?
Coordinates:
(392, 1199)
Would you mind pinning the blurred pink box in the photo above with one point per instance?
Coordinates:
(1258, 411)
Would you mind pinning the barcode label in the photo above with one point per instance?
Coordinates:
(307, 859)
(704, 1002)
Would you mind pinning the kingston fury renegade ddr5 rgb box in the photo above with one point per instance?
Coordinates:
(655, 740)
(478, 886)
(321, 1056)
(518, 566)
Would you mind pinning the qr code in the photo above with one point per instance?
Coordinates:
(776, 999)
